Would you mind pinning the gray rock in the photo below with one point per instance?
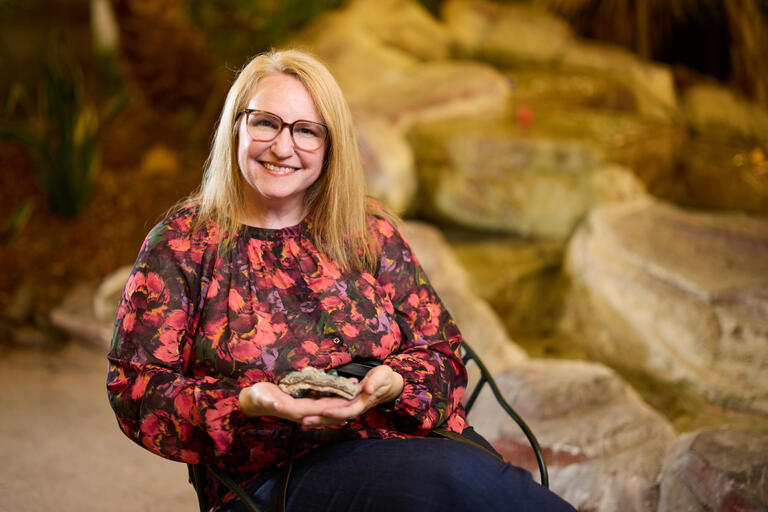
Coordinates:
(676, 294)
(603, 445)
(717, 468)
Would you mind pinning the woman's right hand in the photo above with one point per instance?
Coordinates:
(267, 399)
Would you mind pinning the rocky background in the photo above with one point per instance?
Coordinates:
(597, 231)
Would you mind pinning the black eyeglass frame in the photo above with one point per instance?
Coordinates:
(283, 124)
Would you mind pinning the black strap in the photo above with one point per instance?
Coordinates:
(283, 498)
(227, 480)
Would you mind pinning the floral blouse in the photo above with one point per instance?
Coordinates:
(196, 324)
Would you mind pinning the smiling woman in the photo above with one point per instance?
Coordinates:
(280, 264)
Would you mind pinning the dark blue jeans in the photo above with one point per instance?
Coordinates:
(408, 475)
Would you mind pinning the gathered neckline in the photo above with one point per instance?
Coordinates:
(287, 232)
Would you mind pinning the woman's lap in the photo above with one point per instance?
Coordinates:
(405, 475)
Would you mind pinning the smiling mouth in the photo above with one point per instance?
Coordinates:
(278, 169)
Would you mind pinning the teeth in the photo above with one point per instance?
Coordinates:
(275, 168)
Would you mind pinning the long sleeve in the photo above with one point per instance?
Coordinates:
(181, 418)
(433, 373)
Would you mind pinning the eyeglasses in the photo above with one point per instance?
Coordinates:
(265, 127)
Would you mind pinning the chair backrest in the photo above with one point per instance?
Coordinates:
(486, 378)
(197, 472)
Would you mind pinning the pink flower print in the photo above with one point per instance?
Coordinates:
(179, 244)
(236, 302)
(426, 312)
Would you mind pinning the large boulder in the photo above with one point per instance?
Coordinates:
(603, 445)
(715, 469)
(524, 37)
(511, 35)
(486, 174)
(403, 80)
(402, 24)
(678, 295)
(481, 327)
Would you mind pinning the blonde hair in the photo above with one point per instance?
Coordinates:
(336, 201)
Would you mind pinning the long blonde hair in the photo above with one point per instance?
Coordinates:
(336, 201)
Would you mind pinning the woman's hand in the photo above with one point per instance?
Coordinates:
(381, 384)
(267, 399)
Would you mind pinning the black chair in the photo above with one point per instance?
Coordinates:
(196, 472)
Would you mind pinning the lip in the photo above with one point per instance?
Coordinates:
(276, 169)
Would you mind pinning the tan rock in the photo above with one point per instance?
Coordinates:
(677, 294)
(383, 80)
(718, 111)
(402, 24)
(486, 175)
(439, 90)
(602, 443)
(652, 84)
(528, 37)
(715, 469)
(388, 162)
(506, 34)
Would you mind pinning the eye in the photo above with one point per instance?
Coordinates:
(310, 130)
(260, 120)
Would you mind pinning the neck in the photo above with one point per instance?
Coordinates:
(262, 214)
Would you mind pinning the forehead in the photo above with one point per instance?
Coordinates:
(284, 95)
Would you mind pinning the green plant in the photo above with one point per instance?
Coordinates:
(60, 130)
(18, 220)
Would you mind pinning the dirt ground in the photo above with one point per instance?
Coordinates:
(61, 447)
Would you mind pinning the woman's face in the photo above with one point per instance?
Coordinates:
(279, 173)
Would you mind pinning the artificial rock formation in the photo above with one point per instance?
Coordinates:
(676, 294)
(603, 445)
(717, 468)
(485, 174)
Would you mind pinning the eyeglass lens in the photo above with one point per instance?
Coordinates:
(308, 135)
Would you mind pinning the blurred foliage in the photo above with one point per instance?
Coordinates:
(238, 29)
(59, 128)
(18, 220)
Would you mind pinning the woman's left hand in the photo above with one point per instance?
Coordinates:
(381, 385)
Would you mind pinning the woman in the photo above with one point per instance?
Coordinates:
(280, 263)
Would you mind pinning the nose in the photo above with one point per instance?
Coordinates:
(282, 146)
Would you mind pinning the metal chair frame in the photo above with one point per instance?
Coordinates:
(196, 470)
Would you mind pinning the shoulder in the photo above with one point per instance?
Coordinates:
(183, 223)
(182, 235)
